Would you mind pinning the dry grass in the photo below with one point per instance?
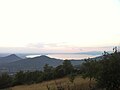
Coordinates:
(79, 84)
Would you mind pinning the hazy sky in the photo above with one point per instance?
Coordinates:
(58, 25)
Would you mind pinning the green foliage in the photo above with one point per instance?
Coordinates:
(67, 66)
(19, 78)
(59, 71)
(28, 77)
(5, 81)
(47, 68)
(109, 74)
(48, 72)
(90, 68)
(106, 71)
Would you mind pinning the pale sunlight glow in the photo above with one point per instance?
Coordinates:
(57, 24)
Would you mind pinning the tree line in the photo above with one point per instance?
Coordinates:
(106, 73)
(48, 73)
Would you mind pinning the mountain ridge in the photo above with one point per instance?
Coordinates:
(9, 58)
(36, 63)
(33, 64)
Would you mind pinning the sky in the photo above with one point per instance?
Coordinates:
(59, 25)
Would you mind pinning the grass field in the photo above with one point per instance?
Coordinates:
(79, 84)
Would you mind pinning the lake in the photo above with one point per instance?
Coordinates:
(65, 56)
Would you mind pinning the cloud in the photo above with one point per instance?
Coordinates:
(52, 48)
(65, 48)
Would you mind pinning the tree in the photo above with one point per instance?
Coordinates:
(47, 68)
(68, 67)
(59, 71)
(109, 75)
(90, 69)
(48, 72)
(19, 78)
(5, 81)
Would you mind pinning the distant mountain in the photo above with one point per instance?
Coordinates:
(9, 58)
(91, 53)
(36, 63)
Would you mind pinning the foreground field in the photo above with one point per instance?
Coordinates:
(79, 84)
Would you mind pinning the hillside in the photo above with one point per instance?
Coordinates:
(79, 84)
(9, 58)
(33, 64)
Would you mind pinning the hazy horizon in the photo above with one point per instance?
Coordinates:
(65, 26)
(28, 50)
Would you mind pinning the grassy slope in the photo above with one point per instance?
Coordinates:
(64, 82)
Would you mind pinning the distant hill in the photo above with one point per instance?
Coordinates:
(9, 58)
(36, 63)
(91, 53)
